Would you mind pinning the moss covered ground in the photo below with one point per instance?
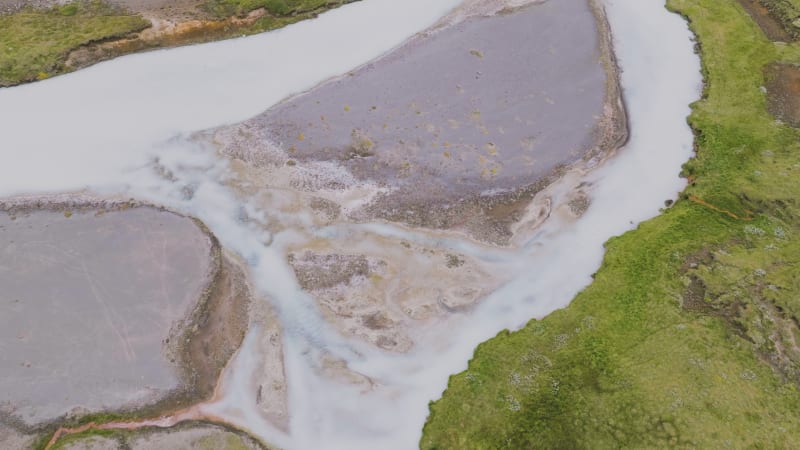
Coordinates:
(787, 12)
(278, 13)
(35, 43)
(688, 336)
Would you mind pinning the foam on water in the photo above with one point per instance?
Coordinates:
(108, 127)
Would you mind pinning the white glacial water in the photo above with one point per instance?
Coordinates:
(104, 129)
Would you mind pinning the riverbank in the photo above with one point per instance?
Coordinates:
(48, 38)
(686, 337)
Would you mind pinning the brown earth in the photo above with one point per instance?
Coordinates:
(186, 436)
(199, 345)
(172, 10)
(217, 329)
(382, 296)
(769, 23)
(783, 92)
(747, 312)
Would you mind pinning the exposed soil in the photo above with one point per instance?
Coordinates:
(218, 328)
(705, 256)
(12, 6)
(769, 23)
(171, 10)
(698, 299)
(11, 438)
(694, 298)
(163, 33)
(488, 218)
(320, 271)
(783, 92)
(271, 394)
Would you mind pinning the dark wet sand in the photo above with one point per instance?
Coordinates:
(489, 106)
(87, 303)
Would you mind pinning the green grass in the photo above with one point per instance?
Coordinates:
(83, 439)
(630, 363)
(34, 44)
(275, 8)
(279, 13)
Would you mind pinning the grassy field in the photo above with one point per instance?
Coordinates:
(787, 12)
(688, 336)
(34, 44)
(275, 8)
(279, 13)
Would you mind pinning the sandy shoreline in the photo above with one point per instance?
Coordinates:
(165, 24)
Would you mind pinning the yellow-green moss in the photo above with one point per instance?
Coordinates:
(34, 44)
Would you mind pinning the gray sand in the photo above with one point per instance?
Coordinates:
(86, 304)
(460, 126)
(492, 103)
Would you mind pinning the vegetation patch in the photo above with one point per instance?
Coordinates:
(34, 44)
(688, 335)
(194, 434)
(768, 20)
(783, 92)
(274, 8)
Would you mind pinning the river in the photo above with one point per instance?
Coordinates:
(116, 128)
